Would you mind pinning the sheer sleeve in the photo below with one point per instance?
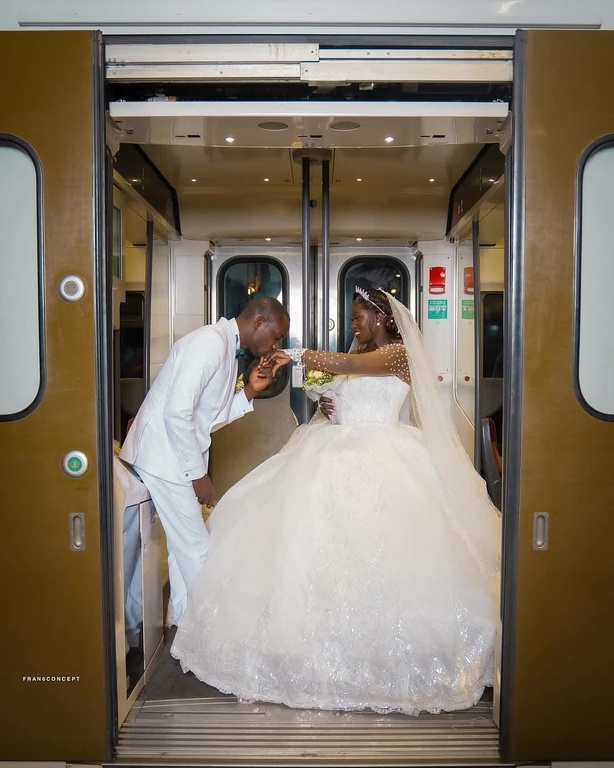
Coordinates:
(390, 360)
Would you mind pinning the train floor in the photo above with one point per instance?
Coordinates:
(178, 718)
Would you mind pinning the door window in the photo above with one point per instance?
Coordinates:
(383, 272)
(243, 279)
(21, 341)
(594, 341)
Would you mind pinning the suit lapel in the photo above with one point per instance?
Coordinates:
(229, 331)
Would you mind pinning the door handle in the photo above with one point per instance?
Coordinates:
(76, 529)
(541, 530)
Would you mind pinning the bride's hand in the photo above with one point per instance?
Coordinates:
(327, 406)
(277, 359)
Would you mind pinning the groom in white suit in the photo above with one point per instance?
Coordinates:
(194, 394)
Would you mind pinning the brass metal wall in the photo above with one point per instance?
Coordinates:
(52, 611)
(563, 673)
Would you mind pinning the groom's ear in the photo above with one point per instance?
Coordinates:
(259, 321)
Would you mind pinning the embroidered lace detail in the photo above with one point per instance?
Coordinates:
(351, 591)
(296, 355)
(361, 400)
(389, 360)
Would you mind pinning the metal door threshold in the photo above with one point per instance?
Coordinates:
(222, 731)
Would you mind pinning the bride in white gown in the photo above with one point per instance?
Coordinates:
(357, 568)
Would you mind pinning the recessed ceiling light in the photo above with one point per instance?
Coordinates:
(268, 239)
(135, 181)
(492, 181)
(230, 139)
(359, 239)
(273, 125)
(358, 179)
(194, 179)
(266, 178)
(344, 125)
(388, 139)
(431, 180)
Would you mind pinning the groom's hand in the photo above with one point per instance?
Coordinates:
(203, 488)
(260, 376)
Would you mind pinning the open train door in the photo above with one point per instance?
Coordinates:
(558, 623)
(52, 398)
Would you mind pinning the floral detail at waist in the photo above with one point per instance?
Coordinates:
(240, 383)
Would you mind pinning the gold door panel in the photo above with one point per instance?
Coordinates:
(558, 671)
(52, 652)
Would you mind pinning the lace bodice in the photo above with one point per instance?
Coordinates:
(370, 400)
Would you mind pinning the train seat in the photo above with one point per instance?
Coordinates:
(491, 460)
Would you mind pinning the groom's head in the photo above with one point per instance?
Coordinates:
(263, 324)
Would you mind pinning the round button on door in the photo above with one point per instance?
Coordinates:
(75, 463)
(71, 288)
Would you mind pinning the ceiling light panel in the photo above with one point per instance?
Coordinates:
(328, 130)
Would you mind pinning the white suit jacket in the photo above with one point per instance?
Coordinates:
(193, 394)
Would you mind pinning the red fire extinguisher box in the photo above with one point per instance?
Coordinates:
(437, 280)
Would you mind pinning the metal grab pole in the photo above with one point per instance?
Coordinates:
(307, 276)
(306, 271)
(147, 308)
(477, 338)
(325, 252)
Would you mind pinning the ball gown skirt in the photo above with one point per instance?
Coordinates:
(334, 579)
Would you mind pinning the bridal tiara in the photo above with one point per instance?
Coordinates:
(365, 296)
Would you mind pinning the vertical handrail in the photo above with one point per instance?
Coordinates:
(307, 277)
(325, 252)
(419, 288)
(147, 307)
(477, 336)
(306, 240)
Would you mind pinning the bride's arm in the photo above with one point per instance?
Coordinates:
(390, 360)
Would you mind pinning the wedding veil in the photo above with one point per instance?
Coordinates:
(470, 510)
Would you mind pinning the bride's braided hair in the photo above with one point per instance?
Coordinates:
(378, 300)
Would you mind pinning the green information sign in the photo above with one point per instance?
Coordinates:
(467, 309)
(438, 309)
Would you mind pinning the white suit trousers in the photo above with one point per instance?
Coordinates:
(187, 539)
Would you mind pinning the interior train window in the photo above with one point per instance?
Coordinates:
(594, 341)
(116, 243)
(242, 279)
(21, 287)
(492, 335)
(369, 272)
(491, 398)
(132, 335)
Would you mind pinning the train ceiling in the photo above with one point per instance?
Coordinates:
(391, 173)
(223, 119)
